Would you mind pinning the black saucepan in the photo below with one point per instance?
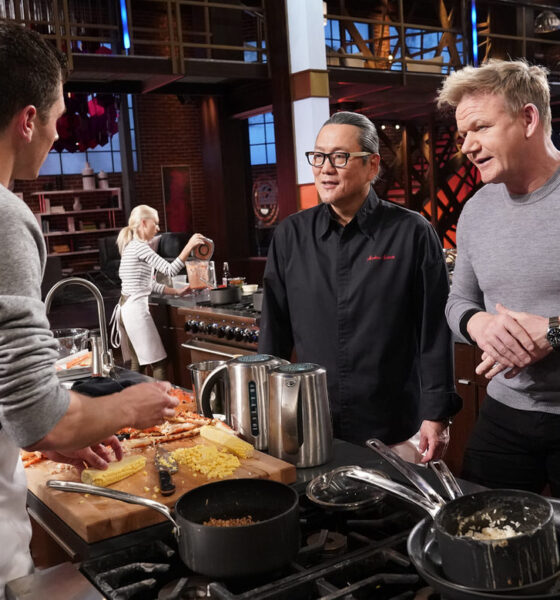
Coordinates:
(268, 544)
(486, 564)
(225, 295)
(429, 568)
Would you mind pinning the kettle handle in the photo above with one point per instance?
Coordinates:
(289, 408)
(206, 389)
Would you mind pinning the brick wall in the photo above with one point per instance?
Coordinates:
(169, 134)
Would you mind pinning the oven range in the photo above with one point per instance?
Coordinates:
(220, 332)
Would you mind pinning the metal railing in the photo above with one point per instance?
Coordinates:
(177, 30)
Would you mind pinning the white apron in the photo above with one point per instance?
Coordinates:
(15, 527)
(139, 330)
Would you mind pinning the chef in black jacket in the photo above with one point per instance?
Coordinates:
(359, 285)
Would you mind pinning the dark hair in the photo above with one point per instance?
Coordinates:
(30, 72)
(369, 141)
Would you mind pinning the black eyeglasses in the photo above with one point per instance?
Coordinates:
(337, 159)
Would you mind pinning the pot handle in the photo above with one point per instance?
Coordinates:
(206, 389)
(555, 503)
(405, 469)
(394, 488)
(289, 419)
(446, 478)
(95, 490)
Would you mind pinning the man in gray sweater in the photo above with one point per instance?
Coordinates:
(36, 413)
(505, 295)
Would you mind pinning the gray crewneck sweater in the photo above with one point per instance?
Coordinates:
(508, 251)
(31, 399)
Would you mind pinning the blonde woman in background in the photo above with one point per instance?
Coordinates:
(132, 325)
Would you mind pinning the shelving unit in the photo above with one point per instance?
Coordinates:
(72, 233)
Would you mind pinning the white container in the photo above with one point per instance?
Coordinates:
(88, 178)
(102, 180)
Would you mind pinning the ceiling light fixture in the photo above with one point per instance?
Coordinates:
(547, 22)
(397, 126)
(382, 126)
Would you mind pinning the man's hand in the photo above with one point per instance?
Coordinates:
(434, 437)
(97, 456)
(148, 403)
(535, 326)
(502, 338)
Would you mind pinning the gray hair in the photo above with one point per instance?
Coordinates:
(369, 140)
(518, 82)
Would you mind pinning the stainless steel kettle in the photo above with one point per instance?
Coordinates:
(300, 425)
(246, 380)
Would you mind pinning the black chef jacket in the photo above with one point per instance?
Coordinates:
(365, 301)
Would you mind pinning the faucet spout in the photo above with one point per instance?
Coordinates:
(107, 355)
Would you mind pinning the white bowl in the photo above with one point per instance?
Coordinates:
(249, 288)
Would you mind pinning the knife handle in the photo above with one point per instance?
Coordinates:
(166, 484)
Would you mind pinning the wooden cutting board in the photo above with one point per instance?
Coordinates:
(95, 518)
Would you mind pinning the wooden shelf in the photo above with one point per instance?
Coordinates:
(74, 192)
(93, 212)
(74, 252)
(78, 232)
(76, 212)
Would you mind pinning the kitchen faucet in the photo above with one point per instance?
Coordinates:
(107, 364)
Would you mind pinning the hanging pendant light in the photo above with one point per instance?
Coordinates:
(547, 22)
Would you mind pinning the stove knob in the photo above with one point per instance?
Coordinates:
(214, 329)
(247, 334)
(221, 331)
(228, 332)
(194, 326)
(202, 327)
(255, 336)
(238, 334)
(187, 326)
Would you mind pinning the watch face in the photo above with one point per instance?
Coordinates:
(553, 337)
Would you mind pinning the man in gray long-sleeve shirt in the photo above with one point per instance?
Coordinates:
(36, 413)
(505, 295)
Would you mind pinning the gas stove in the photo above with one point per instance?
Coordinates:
(350, 555)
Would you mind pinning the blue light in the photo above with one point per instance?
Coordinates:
(124, 20)
(474, 33)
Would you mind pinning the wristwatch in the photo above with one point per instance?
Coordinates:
(553, 333)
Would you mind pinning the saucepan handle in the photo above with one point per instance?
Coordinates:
(446, 478)
(85, 488)
(555, 502)
(394, 488)
(405, 469)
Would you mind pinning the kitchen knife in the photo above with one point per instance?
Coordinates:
(166, 465)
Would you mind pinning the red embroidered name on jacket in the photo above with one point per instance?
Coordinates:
(384, 257)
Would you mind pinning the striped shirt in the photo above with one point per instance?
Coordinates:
(138, 263)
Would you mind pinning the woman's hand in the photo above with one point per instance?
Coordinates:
(196, 240)
(171, 291)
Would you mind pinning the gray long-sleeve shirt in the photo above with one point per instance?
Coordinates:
(508, 252)
(31, 400)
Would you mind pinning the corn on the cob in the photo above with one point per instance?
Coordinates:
(115, 471)
(230, 441)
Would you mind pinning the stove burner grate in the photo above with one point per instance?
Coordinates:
(186, 588)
